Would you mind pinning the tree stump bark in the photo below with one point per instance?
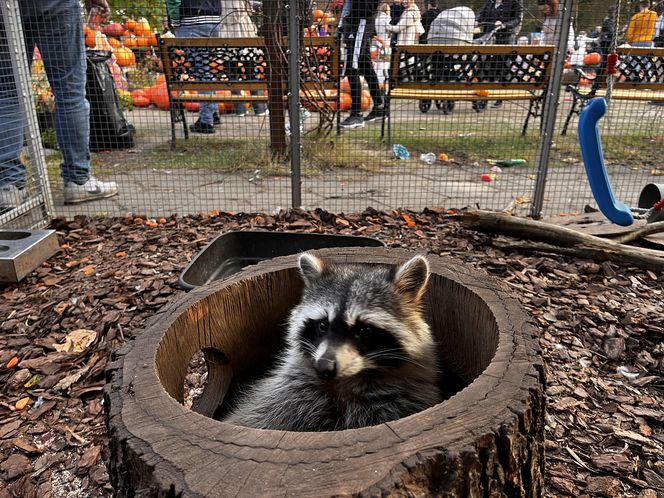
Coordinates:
(486, 440)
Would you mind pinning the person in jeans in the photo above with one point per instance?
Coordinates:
(641, 29)
(56, 28)
(197, 19)
(358, 29)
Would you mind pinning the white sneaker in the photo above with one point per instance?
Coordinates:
(91, 190)
(12, 197)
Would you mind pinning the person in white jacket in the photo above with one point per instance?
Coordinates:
(410, 26)
(237, 23)
(382, 42)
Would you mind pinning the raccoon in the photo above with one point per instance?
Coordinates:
(358, 352)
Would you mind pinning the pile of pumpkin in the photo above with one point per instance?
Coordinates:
(133, 34)
(157, 95)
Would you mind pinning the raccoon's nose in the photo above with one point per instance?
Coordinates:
(326, 369)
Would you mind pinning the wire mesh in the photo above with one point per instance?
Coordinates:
(401, 104)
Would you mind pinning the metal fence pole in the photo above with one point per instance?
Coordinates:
(294, 99)
(550, 111)
(16, 47)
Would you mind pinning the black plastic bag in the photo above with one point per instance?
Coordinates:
(108, 127)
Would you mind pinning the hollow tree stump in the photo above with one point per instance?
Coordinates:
(486, 440)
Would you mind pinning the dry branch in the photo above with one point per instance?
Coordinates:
(649, 229)
(560, 239)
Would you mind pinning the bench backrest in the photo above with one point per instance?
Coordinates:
(241, 63)
(640, 68)
(456, 67)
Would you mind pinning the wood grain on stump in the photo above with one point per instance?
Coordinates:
(486, 440)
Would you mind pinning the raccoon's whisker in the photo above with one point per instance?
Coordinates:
(393, 354)
(309, 347)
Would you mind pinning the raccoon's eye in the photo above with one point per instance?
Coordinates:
(363, 330)
(323, 325)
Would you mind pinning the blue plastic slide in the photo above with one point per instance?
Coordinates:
(593, 158)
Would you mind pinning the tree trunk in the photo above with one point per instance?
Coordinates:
(485, 440)
(276, 77)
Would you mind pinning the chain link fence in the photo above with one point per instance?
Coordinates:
(405, 105)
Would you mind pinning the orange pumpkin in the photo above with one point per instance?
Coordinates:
(592, 59)
(130, 24)
(138, 93)
(141, 101)
(142, 27)
(125, 57)
(114, 42)
(192, 106)
(91, 38)
(158, 95)
(344, 100)
(482, 93)
(130, 41)
(366, 100)
(318, 15)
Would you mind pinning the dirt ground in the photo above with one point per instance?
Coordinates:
(601, 332)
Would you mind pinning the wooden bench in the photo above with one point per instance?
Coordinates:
(213, 64)
(470, 73)
(639, 77)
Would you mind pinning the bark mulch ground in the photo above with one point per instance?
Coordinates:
(602, 336)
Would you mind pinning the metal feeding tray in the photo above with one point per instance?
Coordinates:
(21, 251)
(232, 251)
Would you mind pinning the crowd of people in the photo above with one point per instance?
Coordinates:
(55, 27)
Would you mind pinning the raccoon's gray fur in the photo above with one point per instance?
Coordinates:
(358, 352)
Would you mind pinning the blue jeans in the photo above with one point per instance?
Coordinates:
(647, 44)
(56, 28)
(207, 110)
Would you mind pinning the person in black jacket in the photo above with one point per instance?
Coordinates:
(427, 18)
(358, 30)
(608, 32)
(396, 9)
(506, 15)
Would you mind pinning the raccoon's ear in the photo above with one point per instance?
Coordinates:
(311, 266)
(412, 277)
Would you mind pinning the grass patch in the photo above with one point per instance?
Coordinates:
(225, 156)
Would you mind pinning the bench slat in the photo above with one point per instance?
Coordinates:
(501, 94)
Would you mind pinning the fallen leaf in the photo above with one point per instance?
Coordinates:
(36, 379)
(77, 341)
(13, 362)
(120, 254)
(89, 270)
(22, 403)
(409, 221)
(67, 381)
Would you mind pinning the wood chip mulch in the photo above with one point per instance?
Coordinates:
(602, 336)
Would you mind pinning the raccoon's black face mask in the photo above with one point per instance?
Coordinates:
(356, 319)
